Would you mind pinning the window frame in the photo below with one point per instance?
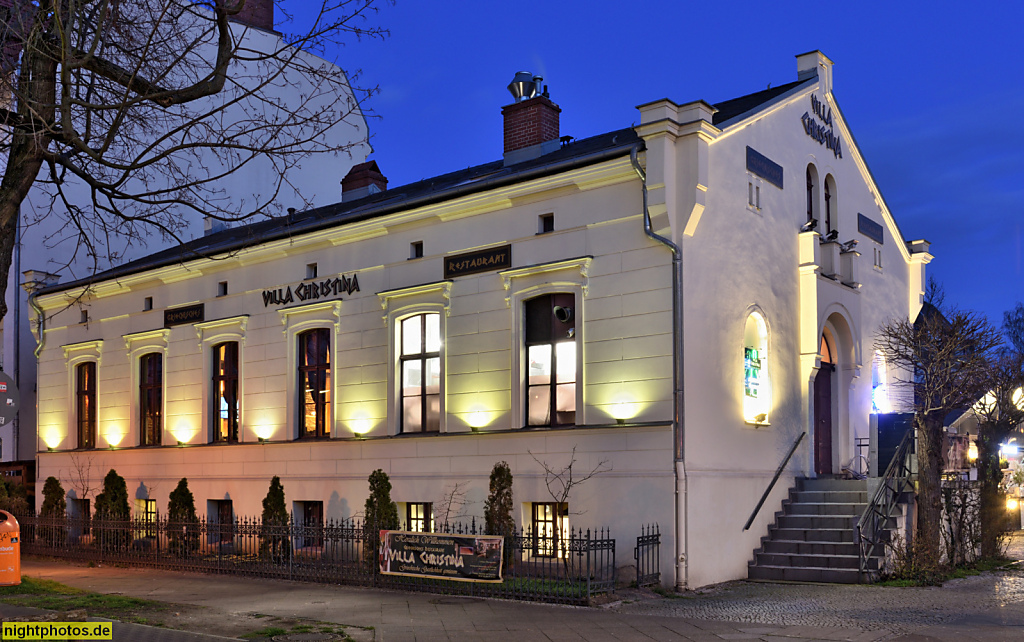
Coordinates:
(423, 356)
(559, 545)
(521, 284)
(323, 411)
(140, 344)
(426, 520)
(149, 408)
(218, 380)
(75, 355)
(211, 334)
(547, 302)
(401, 304)
(86, 434)
(296, 320)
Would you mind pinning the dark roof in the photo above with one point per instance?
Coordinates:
(432, 190)
(729, 109)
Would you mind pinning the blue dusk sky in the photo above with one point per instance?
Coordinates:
(933, 92)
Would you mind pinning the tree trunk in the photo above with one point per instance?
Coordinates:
(993, 512)
(929, 492)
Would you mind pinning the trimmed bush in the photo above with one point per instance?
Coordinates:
(274, 524)
(380, 514)
(112, 508)
(182, 521)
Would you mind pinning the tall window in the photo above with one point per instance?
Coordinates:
(312, 524)
(225, 391)
(151, 398)
(551, 360)
(145, 513)
(224, 532)
(812, 193)
(85, 384)
(550, 529)
(831, 218)
(315, 383)
(418, 517)
(420, 366)
(757, 391)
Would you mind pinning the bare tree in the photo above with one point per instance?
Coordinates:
(999, 413)
(81, 475)
(560, 483)
(1013, 326)
(453, 500)
(940, 363)
(148, 105)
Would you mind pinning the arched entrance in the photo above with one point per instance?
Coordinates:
(823, 406)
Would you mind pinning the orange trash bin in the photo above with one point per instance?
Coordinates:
(10, 550)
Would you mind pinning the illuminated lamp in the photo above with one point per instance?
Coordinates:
(360, 425)
(1009, 450)
(1012, 503)
(972, 451)
(114, 438)
(52, 438)
(263, 432)
(623, 410)
(479, 418)
(183, 432)
(880, 398)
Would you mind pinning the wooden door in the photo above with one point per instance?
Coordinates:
(823, 420)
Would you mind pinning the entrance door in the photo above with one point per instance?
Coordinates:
(823, 420)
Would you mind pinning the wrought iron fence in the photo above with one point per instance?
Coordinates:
(569, 567)
(648, 556)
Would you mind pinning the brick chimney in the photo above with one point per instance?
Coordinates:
(256, 13)
(531, 122)
(362, 180)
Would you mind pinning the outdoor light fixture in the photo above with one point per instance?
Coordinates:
(1012, 503)
(261, 440)
(360, 425)
(623, 410)
(479, 418)
(972, 451)
(180, 443)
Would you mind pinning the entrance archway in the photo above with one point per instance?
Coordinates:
(823, 406)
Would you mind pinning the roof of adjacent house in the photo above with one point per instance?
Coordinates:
(578, 153)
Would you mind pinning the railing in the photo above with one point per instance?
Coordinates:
(871, 527)
(771, 485)
(570, 569)
(648, 556)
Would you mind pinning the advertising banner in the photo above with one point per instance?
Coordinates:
(465, 558)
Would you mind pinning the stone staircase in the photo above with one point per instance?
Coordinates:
(813, 537)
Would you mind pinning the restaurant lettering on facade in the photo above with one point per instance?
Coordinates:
(818, 131)
(312, 291)
(495, 258)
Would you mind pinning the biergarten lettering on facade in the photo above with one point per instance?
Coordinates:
(495, 258)
(823, 132)
(312, 290)
(187, 314)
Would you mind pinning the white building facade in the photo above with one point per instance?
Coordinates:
(48, 249)
(528, 311)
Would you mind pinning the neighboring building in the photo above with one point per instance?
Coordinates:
(48, 249)
(521, 310)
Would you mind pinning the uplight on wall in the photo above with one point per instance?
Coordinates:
(114, 437)
(52, 438)
(263, 431)
(623, 410)
(479, 418)
(360, 425)
(1012, 503)
(183, 431)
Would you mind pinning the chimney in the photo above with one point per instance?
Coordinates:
(814, 63)
(531, 122)
(256, 13)
(361, 181)
(213, 225)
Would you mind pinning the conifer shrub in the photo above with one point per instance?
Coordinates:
(111, 525)
(380, 513)
(274, 542)
(54, 508)
(182, 521)
(498, 518)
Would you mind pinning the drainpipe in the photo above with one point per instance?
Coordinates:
(678, 423)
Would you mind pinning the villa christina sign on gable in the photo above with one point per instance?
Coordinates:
(822, 132)
(312, 290)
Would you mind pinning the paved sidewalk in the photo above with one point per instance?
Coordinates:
(123, 631)
(986, 608)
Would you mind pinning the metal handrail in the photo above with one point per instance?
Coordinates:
(771, 485)
(871, 524)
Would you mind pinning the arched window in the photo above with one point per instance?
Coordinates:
(756, 384)
(315, 383)
(831, 205)
(812, 193)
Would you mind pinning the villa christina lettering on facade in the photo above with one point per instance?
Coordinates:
(817, 131)
(312, 291)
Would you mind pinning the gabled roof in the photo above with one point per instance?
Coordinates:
(729, 109)
(471, 180)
